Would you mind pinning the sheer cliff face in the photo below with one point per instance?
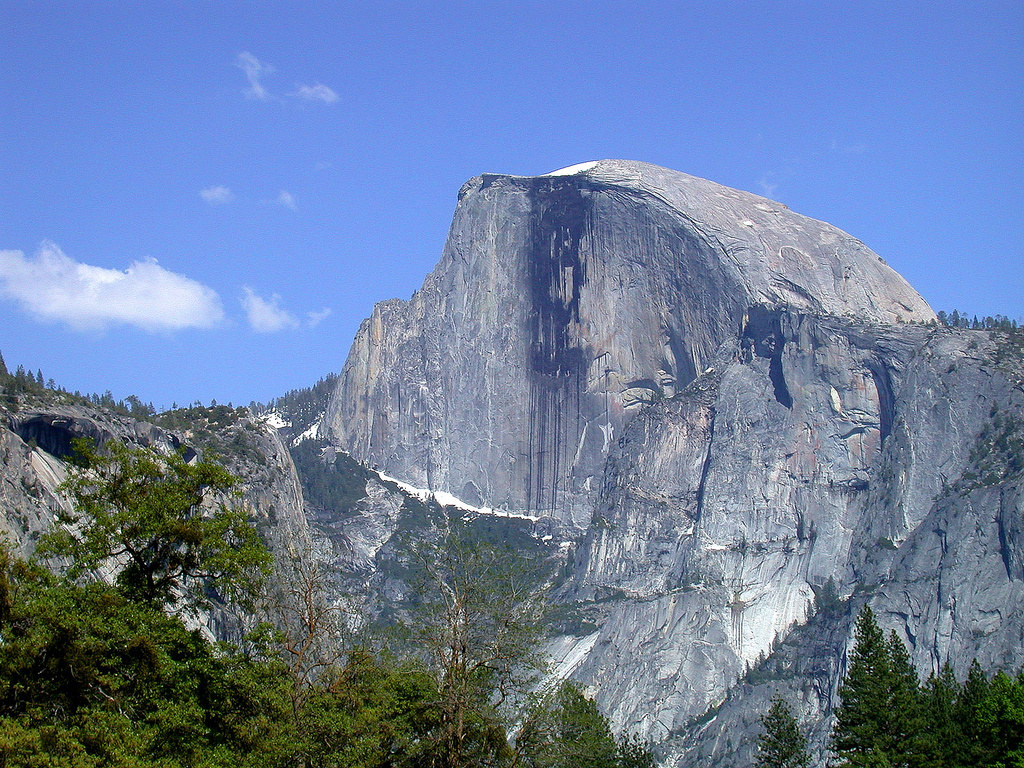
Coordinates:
(920, 514)
(730, 400)
(815, 450)
(565, 303)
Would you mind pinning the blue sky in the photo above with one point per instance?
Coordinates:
(203, 200)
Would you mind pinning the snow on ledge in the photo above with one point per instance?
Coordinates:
(310, 434)
(273, 419)
(446, 499)
(574, 169)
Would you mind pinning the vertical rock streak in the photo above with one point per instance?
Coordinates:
(556, 274)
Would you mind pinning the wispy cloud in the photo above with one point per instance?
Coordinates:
(767, 187)
(217, 195)
(817, 158)
(254, 70)
(287, 199)
(266, 315)
(313, 319)
(318, 92)
(54, 287)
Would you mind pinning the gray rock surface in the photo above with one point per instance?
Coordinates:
(726, 507)
(564, 303)
(738, 409)
(895, 474)
(36, 439)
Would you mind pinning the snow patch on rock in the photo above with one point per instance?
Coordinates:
(446, 499)
(310, 434)
(273, 419)
(571, 170)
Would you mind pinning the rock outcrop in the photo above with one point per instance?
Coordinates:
(752, 424)
(726, 513)
(565, 303)
(36, 440)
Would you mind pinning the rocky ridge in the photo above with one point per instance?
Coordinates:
(562, 305)
(737, 409)
(36, 433)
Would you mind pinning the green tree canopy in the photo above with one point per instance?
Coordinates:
(148, 516)
(370, 713)
(1000, 722)
(91, 679)
(781, 744)
(880, 720)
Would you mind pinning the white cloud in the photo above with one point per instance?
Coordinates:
(217, 195)
(314, 319)
(53, 287)
(254, 69)
(767, 186)
(287, 199)
(318, 92)
(266, 316)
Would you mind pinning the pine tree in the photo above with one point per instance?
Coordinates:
(781, 745)
(907, 745)
(1001, 722)
(967, 711)
(880, 719)
(566, 730)
(860, 717)
(945, 732)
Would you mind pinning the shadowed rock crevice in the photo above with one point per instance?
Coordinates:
(883, 385)
(706, 466)
(762, 335)
(54, 434)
